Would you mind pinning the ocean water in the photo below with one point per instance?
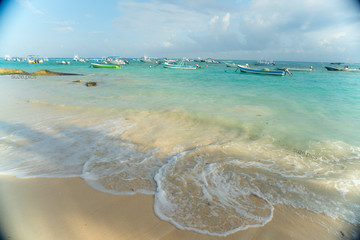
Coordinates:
(219, 149)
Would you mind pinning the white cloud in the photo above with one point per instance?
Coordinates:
(248, 29)
(226, 21)
(167, 44)
(302, 28)
(62, 26)
(67, 29)
(64, 23)
(324, 43)
(339, 35)
(152, 26)
(27, 4)
(213, 21)
(156, 17)
(217, 25)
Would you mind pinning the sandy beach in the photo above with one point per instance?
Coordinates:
(179, 120)
(67, 208)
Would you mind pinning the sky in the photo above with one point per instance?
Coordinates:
(290, 30)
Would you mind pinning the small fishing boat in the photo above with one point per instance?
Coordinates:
(297, 69)
(180, 66)
(97, 65)
(147, 59)
(264, 63)
(198, 59)
(230, 65)
(351, 70)
(265, 71)
(63, 62)
(211, 60)
(115, 61)
(333, 69)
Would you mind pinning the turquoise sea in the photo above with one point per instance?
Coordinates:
(217, 148)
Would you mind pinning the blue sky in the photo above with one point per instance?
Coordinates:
(306, 30)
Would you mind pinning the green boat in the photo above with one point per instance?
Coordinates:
(97, 65)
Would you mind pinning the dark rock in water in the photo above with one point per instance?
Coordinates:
(91, 84)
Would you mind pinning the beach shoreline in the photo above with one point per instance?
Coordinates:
(68, 208)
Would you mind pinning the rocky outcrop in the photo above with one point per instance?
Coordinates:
(51, 73)
(91, 84)
(9, 71)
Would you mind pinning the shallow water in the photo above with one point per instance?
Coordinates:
(218, 148)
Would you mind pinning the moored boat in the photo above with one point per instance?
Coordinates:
(265, 71)
(351, 69)
(211, 60)
(230, 65)
(180, 66)
(264, 63)
(63, 62)
(97, 65)
(333, 69)
(297, 69)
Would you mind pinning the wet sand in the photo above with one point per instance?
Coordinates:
(67, 208)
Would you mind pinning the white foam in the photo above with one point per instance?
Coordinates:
(222, 179)
(243, 178)
(54, 148)
(182, 208)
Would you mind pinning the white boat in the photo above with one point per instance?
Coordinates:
(63, 62)
(346, 69)
(198, 59)
(230, 65)
(211, 60)
(170, 60)
(34, 59)
(264, 63)
(180, 66)
(83, 60)
(98, 65)
(7, 58)
(297, 69)
(146, 59)
(80, 59)
(116, 61)
(264, 71)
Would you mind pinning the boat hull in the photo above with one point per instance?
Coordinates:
(258, 71)
(231, 65)
(297, 69)
(351, 70)
(333, 69)
(96, 65)
(174, 66)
